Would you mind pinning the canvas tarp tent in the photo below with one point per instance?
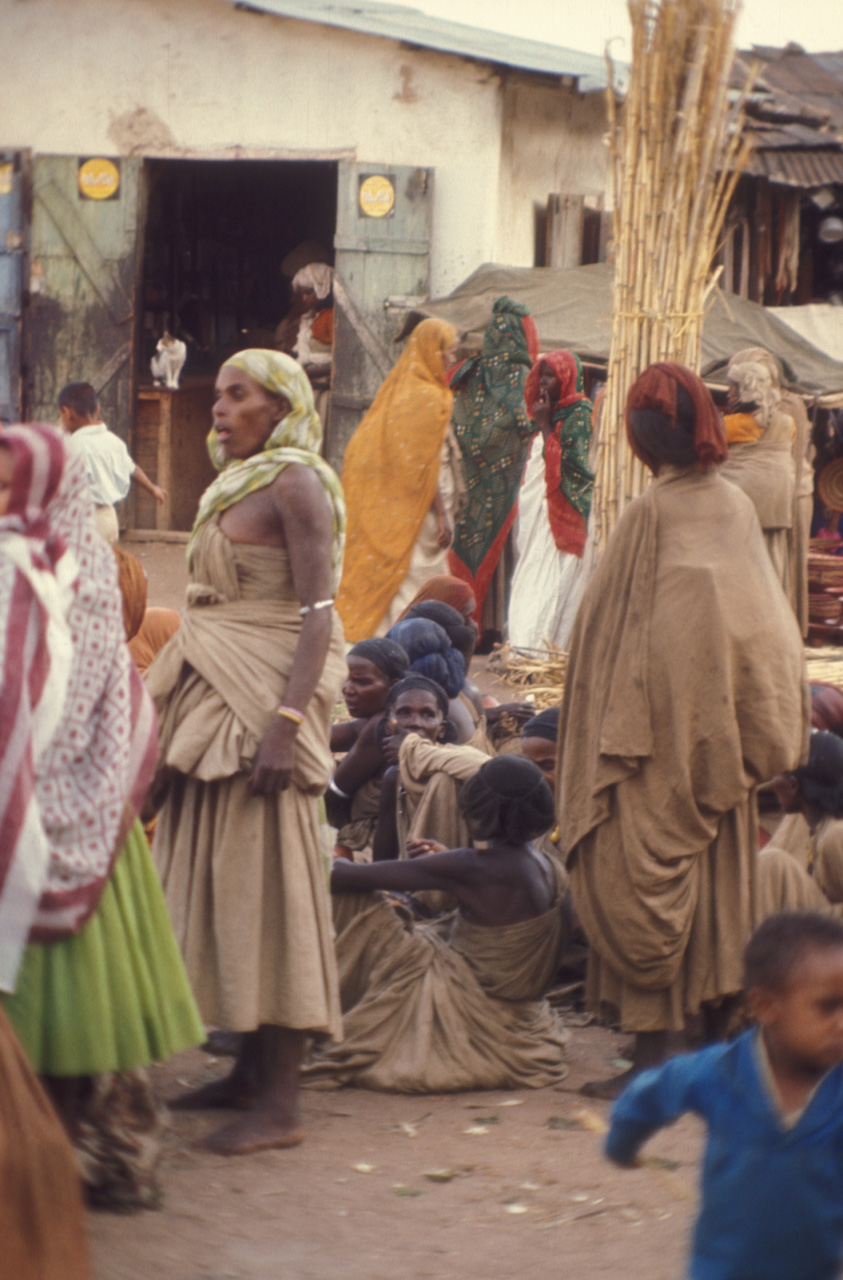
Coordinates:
(573, 309)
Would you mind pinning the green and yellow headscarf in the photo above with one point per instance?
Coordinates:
(296, 438)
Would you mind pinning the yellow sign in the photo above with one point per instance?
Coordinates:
(6, 178)
(376, 197)
(99, 179)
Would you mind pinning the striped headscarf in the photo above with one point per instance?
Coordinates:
(296, 439)
(37, 575)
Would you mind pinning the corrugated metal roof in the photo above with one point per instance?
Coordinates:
(410, 26)
(799, 73)
(769, 136)
(810, 82)
(798, 167)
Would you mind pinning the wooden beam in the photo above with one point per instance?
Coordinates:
(370, 343)
(104, 375)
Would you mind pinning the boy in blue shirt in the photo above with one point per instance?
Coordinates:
(772, 1179)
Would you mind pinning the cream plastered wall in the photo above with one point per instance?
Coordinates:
(203, 78)
(553, 140)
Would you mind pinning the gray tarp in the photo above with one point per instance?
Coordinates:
(573, 309)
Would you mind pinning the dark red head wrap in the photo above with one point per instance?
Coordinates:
(697, 432)
(569, 372)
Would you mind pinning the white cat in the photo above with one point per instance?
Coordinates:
(168, 361)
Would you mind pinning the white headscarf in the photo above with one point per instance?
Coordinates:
(317, 276)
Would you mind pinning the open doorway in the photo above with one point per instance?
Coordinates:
(222, 241)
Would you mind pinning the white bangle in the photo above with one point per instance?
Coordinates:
(320, 604)
(332, 786)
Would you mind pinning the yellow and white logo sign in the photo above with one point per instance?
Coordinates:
(99, 179)
(377, 196)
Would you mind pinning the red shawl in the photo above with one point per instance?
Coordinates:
(568, 526)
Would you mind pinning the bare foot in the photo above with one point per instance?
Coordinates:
(226, 1094)
(610, 1089)
(261, 1130)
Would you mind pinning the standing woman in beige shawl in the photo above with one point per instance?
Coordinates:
(760, 461)
(245, 691)
(685, 690)
(803, 456)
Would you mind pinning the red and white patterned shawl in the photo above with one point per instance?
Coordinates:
(37, 577)
(95, 773)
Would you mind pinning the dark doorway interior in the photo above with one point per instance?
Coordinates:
(222, 240)
(217, 233)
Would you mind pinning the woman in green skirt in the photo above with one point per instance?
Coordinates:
(101, 989)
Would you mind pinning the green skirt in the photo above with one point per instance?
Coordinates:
(116, 996)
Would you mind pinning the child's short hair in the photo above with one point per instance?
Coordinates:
(782, 941)
(80, 397)
(507, 799)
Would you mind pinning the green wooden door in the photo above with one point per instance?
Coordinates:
(13, 165)
(79, 324)
(382, 250)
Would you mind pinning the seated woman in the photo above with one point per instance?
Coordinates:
(786, 882)
(467, 713)
(476, 722)
(426, 1013)
(789, 831)
(420, 789)
(351, 800)
(432, 653)
(539, 739)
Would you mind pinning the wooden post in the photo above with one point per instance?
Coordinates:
(163, 469)
(565, 216)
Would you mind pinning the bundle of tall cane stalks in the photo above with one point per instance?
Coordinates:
(677, 154)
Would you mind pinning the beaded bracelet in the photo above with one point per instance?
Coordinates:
(290, 713)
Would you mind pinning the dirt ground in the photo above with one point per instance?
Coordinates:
(520, 1188)
(529, 1191)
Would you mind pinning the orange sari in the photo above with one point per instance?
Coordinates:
(390, 477)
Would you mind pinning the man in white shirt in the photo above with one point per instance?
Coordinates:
(108, 463)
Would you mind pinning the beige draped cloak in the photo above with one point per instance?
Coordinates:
(432, 775)
(245, 875)
(445, 1006)
(766, 472)
(685, 689)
